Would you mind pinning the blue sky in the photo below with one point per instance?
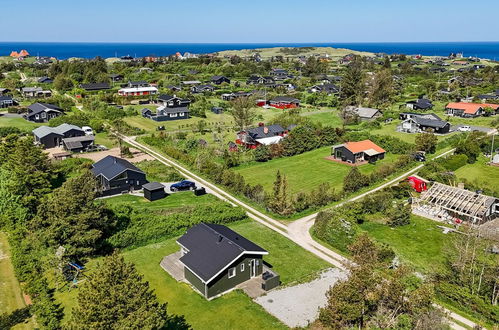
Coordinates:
(245, 21)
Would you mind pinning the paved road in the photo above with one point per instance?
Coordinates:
(298, 231)
(487, 130)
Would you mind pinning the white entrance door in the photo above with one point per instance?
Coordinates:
(253, 268)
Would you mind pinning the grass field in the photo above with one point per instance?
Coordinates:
(480, 173)
(180, 199)
(304, 172)
(330, 118)
(418, 244)
(11, 297)
(103, 139)
(20, 123)
(238, 311)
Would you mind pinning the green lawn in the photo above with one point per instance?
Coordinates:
(103, 139)
(481, 174)
(330, 118)
(180, 199)
(238, 311)
(11, 297)
(304, 172)
(20, 123)
(418, 244)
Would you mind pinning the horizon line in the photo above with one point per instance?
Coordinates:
(244, 43)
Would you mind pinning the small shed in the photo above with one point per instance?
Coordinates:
(154, 191)
(217, 110)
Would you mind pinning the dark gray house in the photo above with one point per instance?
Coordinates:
(42, 112)
(216, 259)
(218, 80)
(173, 108)
(416, 123)
(419, 104)
(173, 101)
(45, 80)
(95, 87)
(78, 143)
(165, 113)
(51, 137)
(117, 175)
(154, 191)
(6, 101)
(357, 152)
(198, 89)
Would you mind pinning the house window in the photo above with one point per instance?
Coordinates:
(232, 272)
(173, 115)
(242, 267)
(181, 114)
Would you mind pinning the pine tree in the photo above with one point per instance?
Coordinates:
(381, 91)
(70, 217)
(115, 296)
(29, 168)
(279, 201)
(352, 84)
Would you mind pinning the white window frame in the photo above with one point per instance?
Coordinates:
(242, 267)
(233, 271)
(173, 115)
(181, 114)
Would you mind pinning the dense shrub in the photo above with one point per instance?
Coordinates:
(142, 228)
(461, 296)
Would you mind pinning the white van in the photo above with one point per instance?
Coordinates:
(88, 130)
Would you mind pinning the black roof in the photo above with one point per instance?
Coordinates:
(265, 131)
(422, 103)
(39, 107)
(213, 248)
(111, 166)
(284, 99)
(95, 86)
(153, 186)
(173, 110)
(430, 122)
(5, 98)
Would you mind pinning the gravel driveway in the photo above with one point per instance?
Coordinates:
(298, 305)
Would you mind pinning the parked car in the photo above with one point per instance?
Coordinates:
(183, 185)
(88, 130)
(464, 128)
(419, 156)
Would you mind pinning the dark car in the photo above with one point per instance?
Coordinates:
(419, 157)
(183, 185)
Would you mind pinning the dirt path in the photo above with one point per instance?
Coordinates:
(298, 231)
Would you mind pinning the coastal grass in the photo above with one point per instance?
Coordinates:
(304, 172)
(237, 309)
(11, 296)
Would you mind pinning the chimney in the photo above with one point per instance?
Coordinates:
(266, 130)
(220, 238)
(460, 185)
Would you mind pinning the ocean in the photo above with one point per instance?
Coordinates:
(489, 50)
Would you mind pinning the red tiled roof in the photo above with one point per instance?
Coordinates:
(23, 53)
(14, 54)
(470, 108)
(360, 146)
